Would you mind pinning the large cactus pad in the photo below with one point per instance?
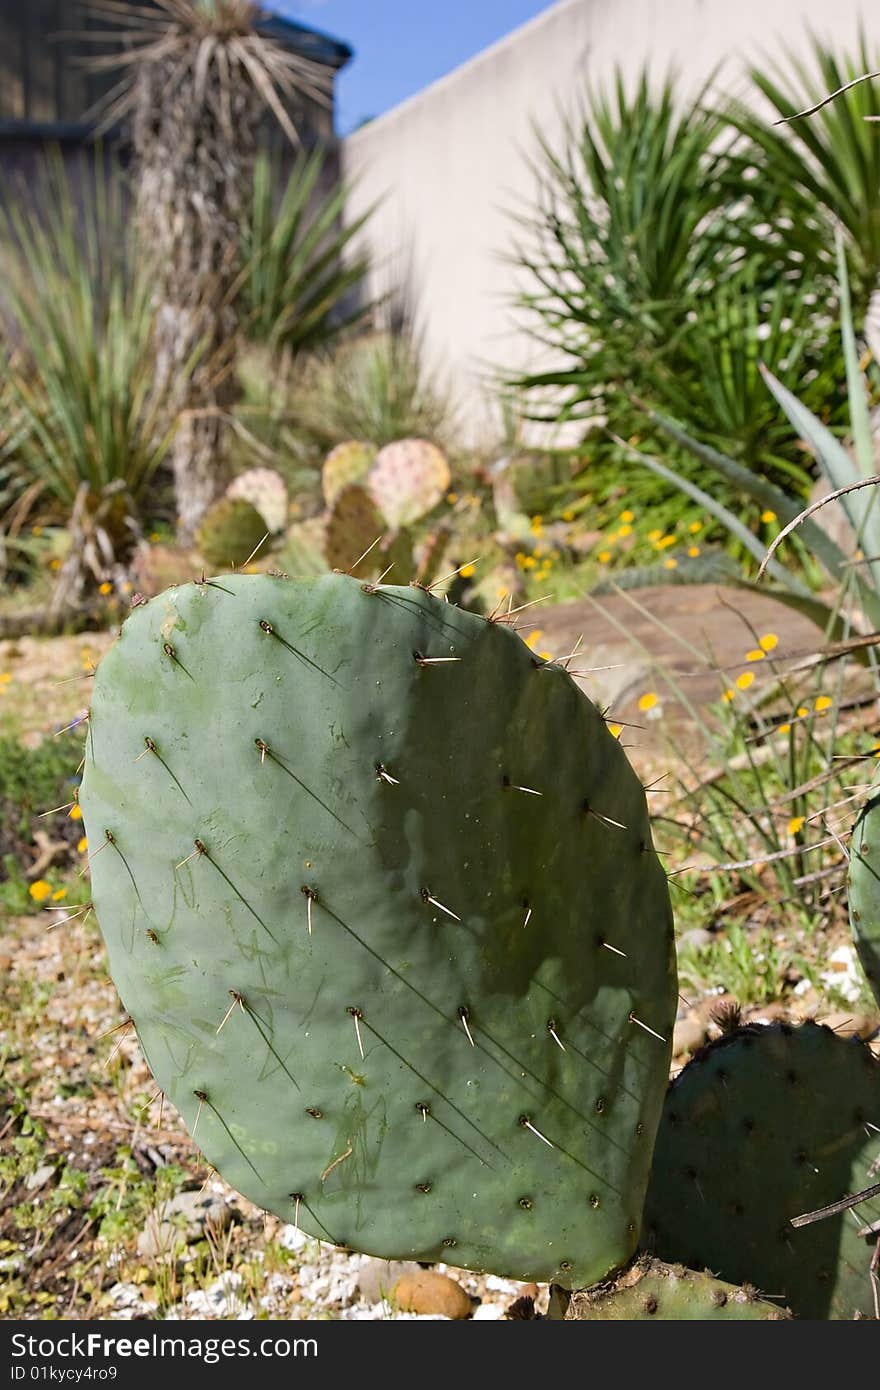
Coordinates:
(379, 893)
(767, 1124)
(864, 891)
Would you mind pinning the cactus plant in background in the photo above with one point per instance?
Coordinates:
(355, 532)
(407, 481)
(762, 1126)
(231, 533)
(410, 983)
(864, 892)
(266, 490)
(348, 463)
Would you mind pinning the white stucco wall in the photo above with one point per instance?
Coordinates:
(451, 164)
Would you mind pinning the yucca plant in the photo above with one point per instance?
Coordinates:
(299, 289)
(851, 472)
(823, 167)
(653, 275)
(85, 424)
(199, 78)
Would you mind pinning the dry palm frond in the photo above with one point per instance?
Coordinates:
(210, 41)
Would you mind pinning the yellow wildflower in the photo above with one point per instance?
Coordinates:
(75, 812)
(728, 696)
(604, 557)
(55, 563)
(154, 537)
(40, 890)
(105, 588)
(82, 845)
(627, 516)
(529, 562)
(802, 711)
(648, 701)
(568, 515)
(625, 531)
(665, 542)
(654, 535)
(823, 703)
(784, 729)
(768, 516)
(795, 824)
(695, 526)
(670, 564)
(536, 526)
(59, 895)
(755, 655)
(693, 551)
(769, 642)
(5, 677)
(452, 497)
(744, 680)
(467, 570)
(36, 530)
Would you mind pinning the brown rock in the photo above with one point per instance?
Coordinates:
(377, 1278)
(850, 1025)
(428, 1292)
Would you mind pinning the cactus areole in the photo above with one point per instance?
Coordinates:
(378, 891)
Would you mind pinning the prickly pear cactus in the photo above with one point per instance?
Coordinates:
(266, 490)
(766, 1124)
(346, 464)
(864, 892)
(230, 533)
(652, 1290)
(408, 979)
(407, 481)
(356, 537)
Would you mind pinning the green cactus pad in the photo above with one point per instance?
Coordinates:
(653, 1291)
(346, 464)
(407, 481)
(266, 490)
(864, 891)
(764, 1125)
(356, 538)
(407, 977)
(231, 532)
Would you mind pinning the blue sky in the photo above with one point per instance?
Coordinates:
(400, 46)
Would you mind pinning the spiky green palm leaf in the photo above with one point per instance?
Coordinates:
(298, 284)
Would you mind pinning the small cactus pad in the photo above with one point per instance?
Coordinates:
(766, 1124)
(650, 1289)
(407, 481)
(266, 490)
(231, 533)
(356, 538)
(407, 977)
(346, 464)
(864, 891)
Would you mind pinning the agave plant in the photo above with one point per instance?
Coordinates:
(199, 78)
